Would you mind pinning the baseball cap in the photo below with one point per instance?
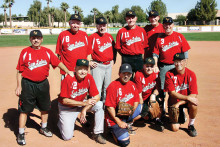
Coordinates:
(125, 68)
(149, 60)
(75, 17)
(179, 56)
(130, 13)
(82, 62)
(101, 20)
(167, 20)
(36, 33)
(153, 13)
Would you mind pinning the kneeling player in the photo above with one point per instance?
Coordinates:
(181, 85)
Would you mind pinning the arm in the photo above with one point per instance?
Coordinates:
(192, 98)
(141, 99)
(153, 95)
(156, 69)
(64, 68)
(92, 63)
(18, 88)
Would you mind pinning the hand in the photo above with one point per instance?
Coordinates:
(122, 124)
(93, 64)
(91, 101)
(193, 100)
(71, 73)
(176, 105)
(153, 97)
(156, 69)
(83, 117)
(18, 91)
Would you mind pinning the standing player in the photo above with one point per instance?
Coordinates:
(72, 101)
(131, 42)
(32, 84)
(121, 90)
(152, 32)
(72, 44)
(102, 49)
(181, 84)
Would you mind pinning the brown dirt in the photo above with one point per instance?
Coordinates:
(203, 60)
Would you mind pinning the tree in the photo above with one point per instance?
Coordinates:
(95, 12)
(52, 14)
(78, 10)
(139, 13)
(160, 7)
(206, 10)
(64, 7)
(191, 16)
(48, 6)
(181, 19)
(59, 16)
(35, 12)
(10, 4)
(5, 6)
(2, 18)
(115, 13)
(122, 16)
(109, 16)
(88, 20)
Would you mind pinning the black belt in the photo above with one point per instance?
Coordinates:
(34, 81)
(161, 64)
(138, 56)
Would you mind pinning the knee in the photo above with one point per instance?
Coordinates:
(67, 136)
(124, 143)
(99, 105)
(174, 127)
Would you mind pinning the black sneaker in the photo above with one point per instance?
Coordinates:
(46, 132)
(99, 138)
(159, 125)
(192, 131)
(21, 139)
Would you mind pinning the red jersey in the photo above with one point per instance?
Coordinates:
(185, 84)
(146, 84)
(34, 64)
(152, 34)
(117, 92)
(72, 47)
(168, 45)
(73, 89)
(101, 47)
(131, 41)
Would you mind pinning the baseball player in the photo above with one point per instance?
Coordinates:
(131, 42)
(121, 90)
(181, 84)
(32, 84)
(72, 44)
(152, 32)
(148, 85)
(72, 101)
(101, 45)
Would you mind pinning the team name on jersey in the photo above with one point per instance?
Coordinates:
(171, 44)
(76, 45)
(105, 46)
(127, 97)
(149, 86)
(181, 87)
(38, 63)
(78, 93)
(133, 40)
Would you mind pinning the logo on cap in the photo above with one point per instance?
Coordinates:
(126, 67)
(149, 60)
(167, 19)
(83, 61)
(35, 33)
(76, 16)
(101, 20)
(130, 12)
(177, 55)
(152, 12)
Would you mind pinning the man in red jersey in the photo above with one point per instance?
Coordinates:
(72, 44)
(131, 42)
(152, 32)
(181, 84)
(121, 90)
(101, 45)
(73, 100)
(32, 84)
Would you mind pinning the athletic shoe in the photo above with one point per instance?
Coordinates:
(131, 131)
(46, 132)
(192, 131)
(21, 139)
(99, 138)
(159, 125)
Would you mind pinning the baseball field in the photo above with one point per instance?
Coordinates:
(203, 60)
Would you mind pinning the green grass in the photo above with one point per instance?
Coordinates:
(23, 40)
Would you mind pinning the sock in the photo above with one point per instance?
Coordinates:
(44, 125)
(191, 121)
(21, 130)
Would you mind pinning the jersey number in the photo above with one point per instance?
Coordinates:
(74, 85)
(67, 38)
(119, 91)
(175, 79)
(126, 34)
(162, 41)
(97, 40)
(29, 56)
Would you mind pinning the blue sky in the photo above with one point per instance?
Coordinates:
(173, 6)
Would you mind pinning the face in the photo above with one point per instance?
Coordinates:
(75, 25)
(131, 20)
(168, 27)
(36, 41)
(154, 20)
(148, 69)
(81, 72)
(180, 64)
(125, 77)
(101, 28)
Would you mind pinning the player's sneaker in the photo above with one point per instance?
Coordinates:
(46, 132)
(99, 138)
(159, 125)
(131, 131)
(192, 131)
(21, 139)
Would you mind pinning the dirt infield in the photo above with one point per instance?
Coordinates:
(203, 60)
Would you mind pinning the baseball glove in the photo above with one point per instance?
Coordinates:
(124, 109)
(154, 109)
(173, 114)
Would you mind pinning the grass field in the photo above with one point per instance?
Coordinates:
(23, 40)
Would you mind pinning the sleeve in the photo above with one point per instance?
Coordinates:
(87, 44)
(118, 40)
(193, 84)
(20, 65)
(156, 48)
(65, 87)
(185, 44)
(168, 85)
(90, 44)
(59, 45)
(145, 39)
(93, 91)
(137, 81)
(136, 94)
(111, 96)
(54, 61)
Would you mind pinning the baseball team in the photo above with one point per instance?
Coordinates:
(153, 74)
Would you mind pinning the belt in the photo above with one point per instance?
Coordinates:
(34, 81)
(161, 64)
(105, 62)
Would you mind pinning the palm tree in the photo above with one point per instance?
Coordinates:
(52, 13)
(48, 2)
(77, 9)
(5, 6)
(94, 11)
(10, 3)
(64, 6)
